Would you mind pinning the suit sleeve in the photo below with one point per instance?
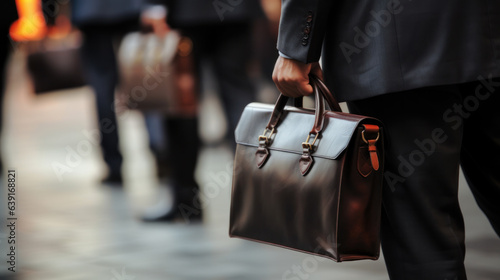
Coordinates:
(302, 28)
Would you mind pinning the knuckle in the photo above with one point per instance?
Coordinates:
(288, 79)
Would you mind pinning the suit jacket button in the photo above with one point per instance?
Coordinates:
(307, 30)
(304, 42)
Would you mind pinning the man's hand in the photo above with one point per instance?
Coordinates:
(292, 77)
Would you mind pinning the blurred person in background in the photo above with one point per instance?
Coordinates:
(266, 35)
(221, 32)
(9, 15)
(103, 23)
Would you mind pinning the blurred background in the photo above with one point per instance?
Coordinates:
(97, 103)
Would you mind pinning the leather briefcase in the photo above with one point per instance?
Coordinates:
(317, 191)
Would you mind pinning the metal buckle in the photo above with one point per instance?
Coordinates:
(308, 145)
(264, 137)
(364, 139)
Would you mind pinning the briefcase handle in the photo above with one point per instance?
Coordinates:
(332, 102)
(321, 93)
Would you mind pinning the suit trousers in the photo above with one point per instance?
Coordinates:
(101, 70)
(431, 132)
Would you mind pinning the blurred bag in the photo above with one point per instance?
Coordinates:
(322, 197)
(55, 63)
(157, 74)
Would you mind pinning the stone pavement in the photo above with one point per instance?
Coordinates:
(70, 227)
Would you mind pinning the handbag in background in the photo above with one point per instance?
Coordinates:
(318, 190)
(157, 74)
(55, 63)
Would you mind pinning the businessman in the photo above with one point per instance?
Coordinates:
(429, 71)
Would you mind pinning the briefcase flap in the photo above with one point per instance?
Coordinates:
(294, 127)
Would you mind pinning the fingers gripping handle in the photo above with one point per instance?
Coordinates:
(321, 93)
(332, 102)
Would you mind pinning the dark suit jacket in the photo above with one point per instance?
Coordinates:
(373, 47)
(103, 12)
(187, 13)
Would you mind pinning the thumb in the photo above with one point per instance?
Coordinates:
(305, 88)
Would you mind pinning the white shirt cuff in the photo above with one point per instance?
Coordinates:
(284, 55)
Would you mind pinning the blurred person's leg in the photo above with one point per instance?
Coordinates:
(183, 144)
(229, 47)
(157, 141)
(422, 225)
(183, 148)
(232, 57)
(481, 145)
(102, 73)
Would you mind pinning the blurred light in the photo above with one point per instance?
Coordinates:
(31, 24)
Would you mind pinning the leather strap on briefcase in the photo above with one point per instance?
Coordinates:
(318, 190)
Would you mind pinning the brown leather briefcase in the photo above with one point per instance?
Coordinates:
(317, 191)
